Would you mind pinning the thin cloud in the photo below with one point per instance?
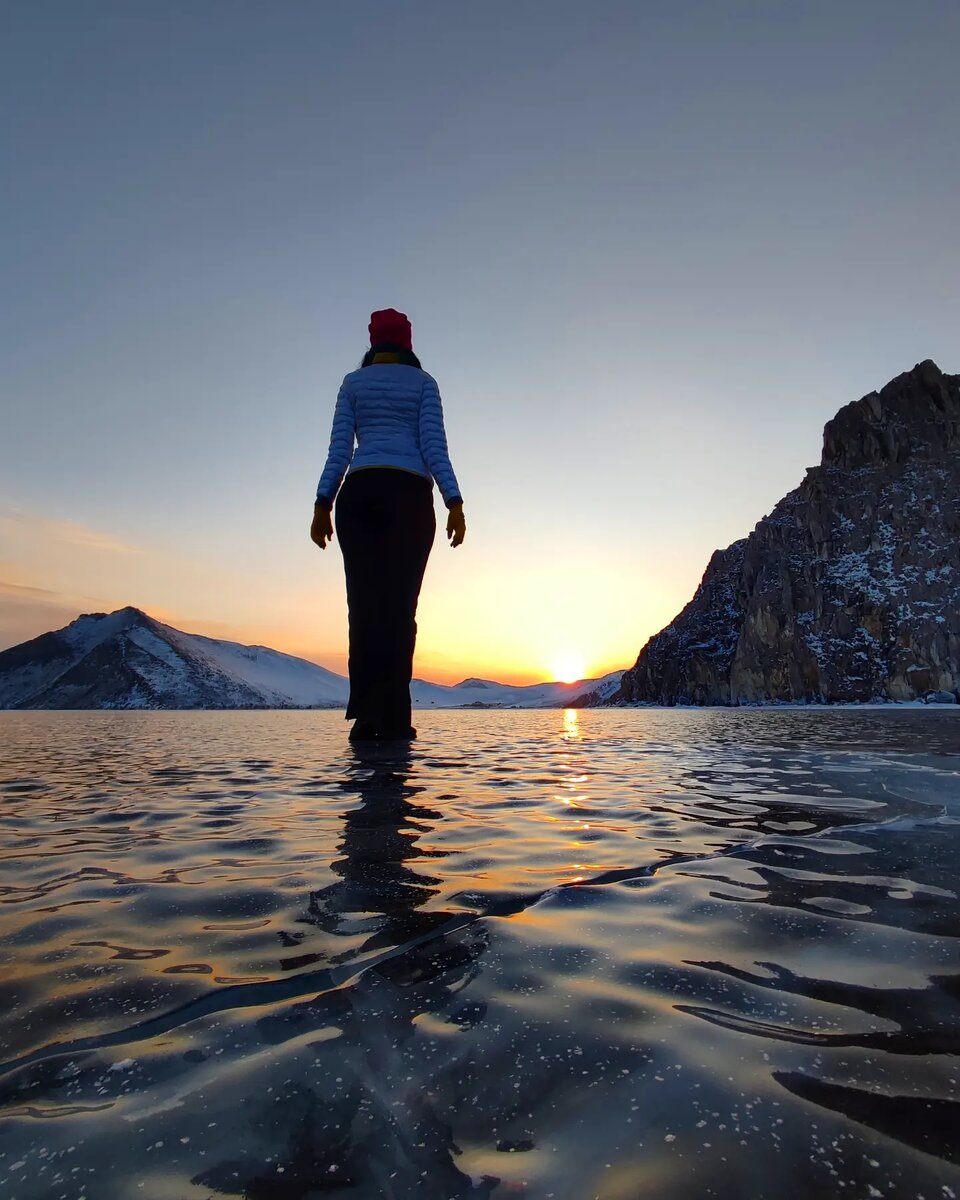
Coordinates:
(20, 592)
(15, 522)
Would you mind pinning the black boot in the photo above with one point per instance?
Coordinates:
(363, 731)
(407, 734)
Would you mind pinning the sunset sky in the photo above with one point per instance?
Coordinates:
(647, 250)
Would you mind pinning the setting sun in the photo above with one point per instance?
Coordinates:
(567, 668)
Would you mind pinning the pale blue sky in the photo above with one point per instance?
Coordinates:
(647, 249)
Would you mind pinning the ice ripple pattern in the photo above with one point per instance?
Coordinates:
(608, 954)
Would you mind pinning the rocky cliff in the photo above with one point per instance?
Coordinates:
(850, 589)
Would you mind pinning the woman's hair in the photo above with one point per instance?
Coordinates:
(406, 357)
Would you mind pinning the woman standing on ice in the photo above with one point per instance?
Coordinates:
(385, 518)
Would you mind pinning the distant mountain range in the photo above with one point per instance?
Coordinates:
(850, 589)
(127, 659)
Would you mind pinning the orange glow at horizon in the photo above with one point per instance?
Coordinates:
(515, 614)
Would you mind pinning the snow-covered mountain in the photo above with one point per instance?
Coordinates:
(484, 693)
(127, 659)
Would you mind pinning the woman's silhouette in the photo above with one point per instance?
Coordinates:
(386, 525)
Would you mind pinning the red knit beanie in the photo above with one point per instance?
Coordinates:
(390, 328)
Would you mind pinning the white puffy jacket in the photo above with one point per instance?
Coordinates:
(394, 414)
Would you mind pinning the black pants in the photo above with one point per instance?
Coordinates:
(386, 526)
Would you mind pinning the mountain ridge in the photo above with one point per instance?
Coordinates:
(129, 659)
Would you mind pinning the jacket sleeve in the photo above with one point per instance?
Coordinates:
(433, 443)
(340, 452)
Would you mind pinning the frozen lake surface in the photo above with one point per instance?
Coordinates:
(561, 955)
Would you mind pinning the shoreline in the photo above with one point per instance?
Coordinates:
(764, 705)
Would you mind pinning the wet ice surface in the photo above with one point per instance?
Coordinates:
(616, 954)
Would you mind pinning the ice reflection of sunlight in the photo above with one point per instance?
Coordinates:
(571, 723)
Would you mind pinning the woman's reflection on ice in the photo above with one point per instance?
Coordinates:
(373, 1108)
(378, 900)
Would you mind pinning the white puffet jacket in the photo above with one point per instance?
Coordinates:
(394, 413)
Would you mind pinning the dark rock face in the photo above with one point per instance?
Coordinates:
(915, 416)
(850, 589)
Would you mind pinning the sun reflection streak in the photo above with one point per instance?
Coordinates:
(571, 724)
